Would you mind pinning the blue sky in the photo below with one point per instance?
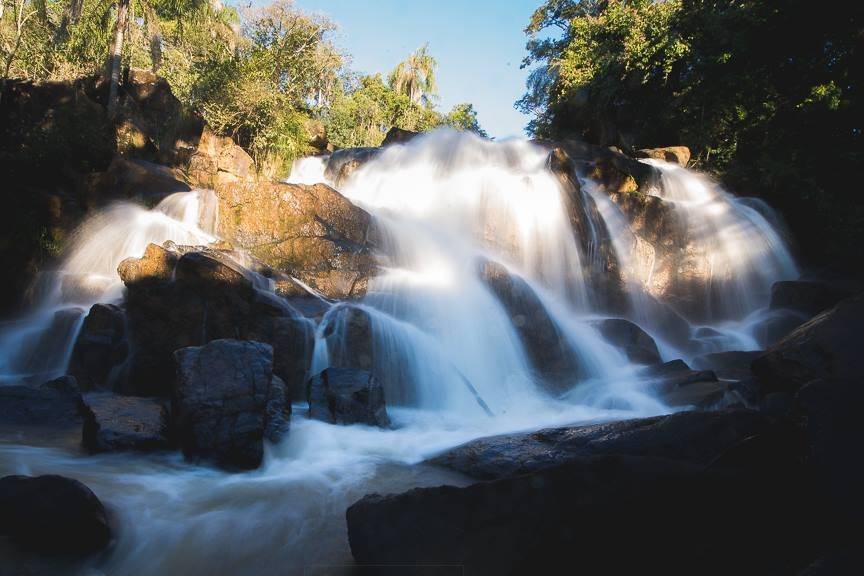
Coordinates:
(479, 45)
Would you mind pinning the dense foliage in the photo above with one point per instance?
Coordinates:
(766, 94)
(262, 75)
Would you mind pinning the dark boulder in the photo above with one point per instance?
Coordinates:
(124, 423)
(55, 404)
(100, 346)
(398, 136)
(226, 402)
(550, 355)
(293, 343)
(137, 179)
(600, 515)
(678, 385)
(347, 396)
(52, 515)
(634, 342)
(349, 339)
(828, 346)
(695, 437)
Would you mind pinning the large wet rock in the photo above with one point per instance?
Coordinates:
(55, 404)
(138, 179)
(52, 515)
(181, 297)
(634, 342)
(349, 339)
(398, 136)
(828, 346)
(218, 160)
(553, 360)
(115, 423)
(606, 514)
(730, 365)
(100, 347)
(227, 402)
(347, 396)
(312, 232)
(293, 344)
(696, 437)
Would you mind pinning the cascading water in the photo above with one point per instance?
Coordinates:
(38, 347)
(452, 355)
(308, 170)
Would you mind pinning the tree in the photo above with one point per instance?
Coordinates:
(415, 77)
(464, 117)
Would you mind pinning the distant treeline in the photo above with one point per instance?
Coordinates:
(266, 75)
(766, 93)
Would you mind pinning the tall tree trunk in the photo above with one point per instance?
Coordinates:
(116, 53)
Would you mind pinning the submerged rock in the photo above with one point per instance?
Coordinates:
(550, 355)
(227, 403)
(52, 515)
(124, 423)
(828, 346)
(347, 396)
(311, 232)
(634, 342)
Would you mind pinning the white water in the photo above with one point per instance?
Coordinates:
(442, 202)
(308, 170)
(39, 346)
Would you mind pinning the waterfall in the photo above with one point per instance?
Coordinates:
(308, 170)
(39, 346)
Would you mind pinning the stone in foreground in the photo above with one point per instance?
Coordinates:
(227, 402)
(52, 515)
(347, 396)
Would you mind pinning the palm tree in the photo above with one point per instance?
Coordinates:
(415, 77)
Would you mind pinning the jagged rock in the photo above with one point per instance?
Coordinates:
(226, 402)
(347, 396)
(590, 508)
(828, 346)
(218, 160)
(100, 346)
(676, 154)
(343, 163)
(52, 515)
(124, 423)
(805, 296)
(634, 342)
(732, 365)
(398, 136)
(312, 232)
(696, 437)
(544, 344)
(54, 404)
(204, 296)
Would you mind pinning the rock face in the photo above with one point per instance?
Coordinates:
(52, 515)
(343, 163)
(695, 437)
(178, 298)
(218, 160)
(589, 509)
(347, 396)
(676, 154)
(552, 359)
(312, 232)
(398, 136)
(100, 346)
(124, 423)
(732, 365)
(227, 402)
(805, 296)
(54, 404)
(828, 346)
(634, 342)
(139, 179)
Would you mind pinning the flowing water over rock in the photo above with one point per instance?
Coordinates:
(479, 271)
